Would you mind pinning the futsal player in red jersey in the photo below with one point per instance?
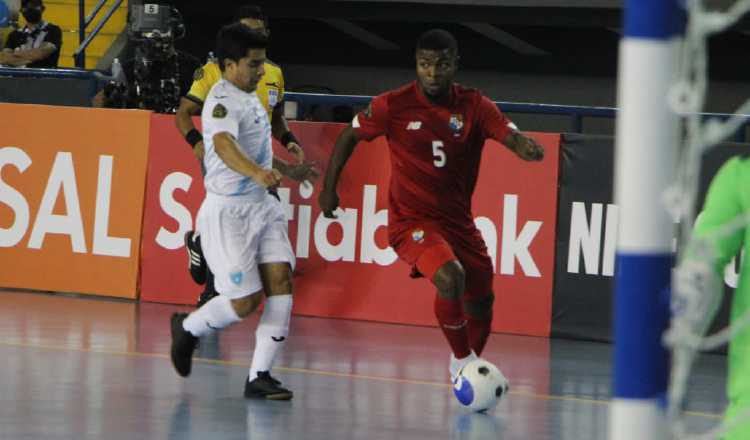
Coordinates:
(436, 130)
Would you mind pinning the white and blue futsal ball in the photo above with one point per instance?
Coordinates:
(480, 385)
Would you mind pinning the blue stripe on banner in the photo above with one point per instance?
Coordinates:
(659, 19)
(641, 316)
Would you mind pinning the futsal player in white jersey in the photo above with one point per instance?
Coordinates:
(245, 229)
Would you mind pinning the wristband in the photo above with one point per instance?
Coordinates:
(288, 137)
(193, 137)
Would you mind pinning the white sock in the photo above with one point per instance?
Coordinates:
(271, 333)
(214, 315)
(457, 364)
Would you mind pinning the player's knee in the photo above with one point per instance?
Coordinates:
(277, 279)
(246, 305)
(479, 307)
(280, 286)
(450, 280)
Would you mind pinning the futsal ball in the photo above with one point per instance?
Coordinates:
(480, 385)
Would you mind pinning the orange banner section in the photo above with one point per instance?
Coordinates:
(71, 198)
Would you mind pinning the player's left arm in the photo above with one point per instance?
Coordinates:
(281, 132)
(497, 126)
(525, 147)
(280, 128)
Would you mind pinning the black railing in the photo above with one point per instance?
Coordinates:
(574, 112)
(83, 22)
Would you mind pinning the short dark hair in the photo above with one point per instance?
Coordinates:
(25, 3)
(235, 39)
(437, 39)
(249, 11)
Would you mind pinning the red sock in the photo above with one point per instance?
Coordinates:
(478, 330)
(450, 316)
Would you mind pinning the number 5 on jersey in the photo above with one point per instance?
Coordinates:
(438, 153)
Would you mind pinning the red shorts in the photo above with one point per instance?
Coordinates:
(427, 247)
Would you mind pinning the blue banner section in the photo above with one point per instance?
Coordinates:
(641, 316)
(656, 19)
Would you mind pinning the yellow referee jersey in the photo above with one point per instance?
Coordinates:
(270, 88)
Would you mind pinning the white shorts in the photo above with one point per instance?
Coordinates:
(237, 235)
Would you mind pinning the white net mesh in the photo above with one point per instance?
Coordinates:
(697, 288)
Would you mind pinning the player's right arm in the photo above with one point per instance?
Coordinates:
(191, 104)
(229, 151)
(366, 125)
(184, 122)
(342, 150)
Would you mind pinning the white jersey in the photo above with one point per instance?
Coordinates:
(241, 114)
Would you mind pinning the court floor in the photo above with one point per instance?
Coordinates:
(91, 368)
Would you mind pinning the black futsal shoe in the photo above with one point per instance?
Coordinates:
(183, 344)
(196, 262)
(266, 387)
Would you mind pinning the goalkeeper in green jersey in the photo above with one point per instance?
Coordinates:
(721, 230)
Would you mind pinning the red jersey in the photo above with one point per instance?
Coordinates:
(435, 150)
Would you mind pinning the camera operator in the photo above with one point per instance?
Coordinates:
(156, 73)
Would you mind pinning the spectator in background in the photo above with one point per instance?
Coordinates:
(35, 45)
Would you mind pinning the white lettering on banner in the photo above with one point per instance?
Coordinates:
(174, 209)
(515, 244)
(371, 221)
(10, 237)
(304, 220)
(347, 219)
(62, 177)
(489, 234)
(585, 239)
(517, 247)
(105, 244)
(610, 240)
(286, 206)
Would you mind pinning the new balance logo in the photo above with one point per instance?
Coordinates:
(414, 125)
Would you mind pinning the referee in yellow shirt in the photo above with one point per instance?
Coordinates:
(270, 91)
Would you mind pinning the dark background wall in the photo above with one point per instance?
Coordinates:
(545, 51)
